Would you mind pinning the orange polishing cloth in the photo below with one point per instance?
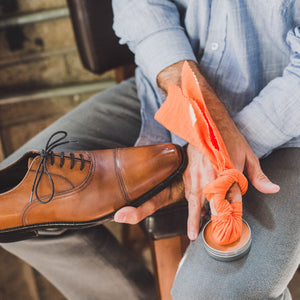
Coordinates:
(184, 113)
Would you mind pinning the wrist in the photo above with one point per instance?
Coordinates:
(171, 74)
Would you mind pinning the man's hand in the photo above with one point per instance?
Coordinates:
(199, 171)
(170, 195)
(197, 175)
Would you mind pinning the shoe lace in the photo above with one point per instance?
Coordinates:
(42, 167)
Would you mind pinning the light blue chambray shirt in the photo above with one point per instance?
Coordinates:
(248, 50)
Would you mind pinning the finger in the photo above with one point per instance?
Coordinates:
(258, 178)
(133, 215)
(203, 212)
(187, 183)
(234, 194)
(125, 215)
(195, 211)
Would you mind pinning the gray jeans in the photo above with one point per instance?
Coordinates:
(90, 264)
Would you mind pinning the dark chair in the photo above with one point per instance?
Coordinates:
(100, 51)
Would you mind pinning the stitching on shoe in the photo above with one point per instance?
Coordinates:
(61, 195)
(120, 176)
(57, 175)
(36, 201)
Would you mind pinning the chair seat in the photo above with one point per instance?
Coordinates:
(167, 222)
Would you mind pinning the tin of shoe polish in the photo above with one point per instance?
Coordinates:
(228, 252)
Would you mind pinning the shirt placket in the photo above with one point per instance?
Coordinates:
(216, 41)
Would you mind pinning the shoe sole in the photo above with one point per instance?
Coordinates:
(30, 231)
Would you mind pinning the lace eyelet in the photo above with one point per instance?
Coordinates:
(42, 167)
(62, 159)
(82, 162)
(72, 160)
(52, 158)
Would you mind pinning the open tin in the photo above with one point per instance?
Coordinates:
(228, 252)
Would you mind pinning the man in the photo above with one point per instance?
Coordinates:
(245, 55)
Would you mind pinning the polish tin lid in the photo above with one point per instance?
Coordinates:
(228, 252)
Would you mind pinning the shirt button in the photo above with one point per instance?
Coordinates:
(214, 46)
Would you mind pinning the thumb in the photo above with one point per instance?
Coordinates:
(259, 179)
(234, 194)
(127, 214)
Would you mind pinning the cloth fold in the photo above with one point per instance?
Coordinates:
(185, 113)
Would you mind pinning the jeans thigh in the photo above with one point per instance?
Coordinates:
(275, 251)
(89, 264)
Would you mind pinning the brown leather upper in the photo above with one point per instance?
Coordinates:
(109, 180)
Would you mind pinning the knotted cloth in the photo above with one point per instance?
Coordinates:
(185, 113)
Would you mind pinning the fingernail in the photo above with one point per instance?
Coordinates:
(120, 218)
(273, 185)
(192, 235)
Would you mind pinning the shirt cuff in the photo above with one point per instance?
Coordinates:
(260, 132)
(161, 50)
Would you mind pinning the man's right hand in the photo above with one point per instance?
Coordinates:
(199, 171)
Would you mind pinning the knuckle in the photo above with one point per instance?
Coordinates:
(194, 204)
(191, 223)
(152, 206)
(262, 177)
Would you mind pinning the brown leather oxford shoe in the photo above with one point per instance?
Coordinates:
(44, 190)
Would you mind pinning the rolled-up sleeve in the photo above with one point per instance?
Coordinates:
(273, 117)
(153, 33)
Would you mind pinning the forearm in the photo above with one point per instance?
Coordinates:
(216, 108)
(199, 171)
(219, 114)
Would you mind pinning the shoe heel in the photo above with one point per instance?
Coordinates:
(15, 236)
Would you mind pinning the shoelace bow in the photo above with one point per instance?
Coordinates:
(42, 167)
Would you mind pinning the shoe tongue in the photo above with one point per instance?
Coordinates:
(30, 161)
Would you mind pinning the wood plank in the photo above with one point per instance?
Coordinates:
(124, 72)
(2, 156)
(168, 253)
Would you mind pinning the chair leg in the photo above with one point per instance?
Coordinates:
(167, 254)
(2, 156)
(124, 72)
